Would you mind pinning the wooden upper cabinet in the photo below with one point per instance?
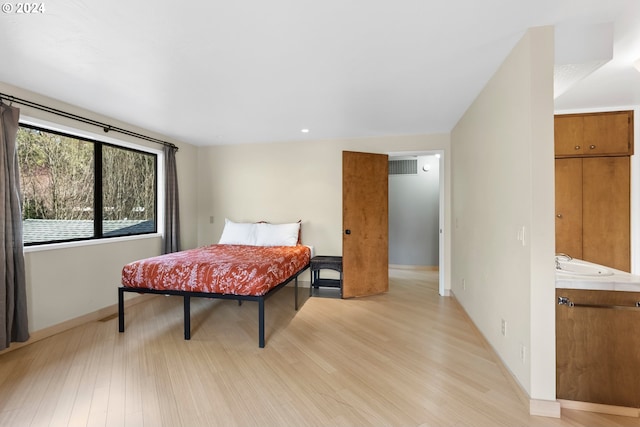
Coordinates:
(568, 135)
(594, 134)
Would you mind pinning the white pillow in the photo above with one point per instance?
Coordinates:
(277, 234)
(237, 233)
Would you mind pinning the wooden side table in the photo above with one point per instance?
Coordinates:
(322, 262)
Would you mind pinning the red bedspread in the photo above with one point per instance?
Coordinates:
(222, 269)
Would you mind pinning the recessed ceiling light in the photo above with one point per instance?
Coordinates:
(304, 130)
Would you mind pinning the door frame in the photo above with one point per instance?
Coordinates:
(444, 237)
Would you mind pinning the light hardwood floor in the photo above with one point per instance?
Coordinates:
(405, 358)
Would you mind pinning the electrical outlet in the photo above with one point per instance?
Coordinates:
(503, 328)
(211, 220)
(523, 353)
(464, 285)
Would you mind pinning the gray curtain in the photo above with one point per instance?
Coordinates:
(13, 291)
(171, 241)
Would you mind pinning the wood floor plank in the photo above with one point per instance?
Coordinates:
(407, 357)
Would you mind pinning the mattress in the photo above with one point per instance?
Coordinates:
(221, 269)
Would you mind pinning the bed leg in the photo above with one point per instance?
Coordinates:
(120, 310)
(261, 322)
(187, 317)
(296, 294)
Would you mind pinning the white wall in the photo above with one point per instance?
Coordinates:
(289, 181)
(502, 151)
(72, 281)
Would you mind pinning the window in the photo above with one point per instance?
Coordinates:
(75, 188)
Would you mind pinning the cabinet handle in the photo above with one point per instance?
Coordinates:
(566, 301)
(592, 146)
(577, 147)
(559, 216)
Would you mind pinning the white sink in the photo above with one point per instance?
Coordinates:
(581, 268)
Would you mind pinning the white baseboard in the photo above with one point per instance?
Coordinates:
(544, 408)
(301, 284)
(600, 408)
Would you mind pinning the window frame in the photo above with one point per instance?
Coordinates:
(103, 140)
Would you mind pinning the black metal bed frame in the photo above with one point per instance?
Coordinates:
(187, 295)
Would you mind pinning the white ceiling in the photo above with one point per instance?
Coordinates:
(242, 71)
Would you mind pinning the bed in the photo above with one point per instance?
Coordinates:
(251, 262)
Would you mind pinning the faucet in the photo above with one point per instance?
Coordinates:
(564, 257)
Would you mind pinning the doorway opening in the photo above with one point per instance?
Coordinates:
(416, 211)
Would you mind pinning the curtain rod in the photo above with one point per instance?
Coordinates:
(105, 127)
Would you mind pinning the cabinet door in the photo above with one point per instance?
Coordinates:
(608, 133)
(568, 135)
(598, 349)
(569, 207)
(606, 211)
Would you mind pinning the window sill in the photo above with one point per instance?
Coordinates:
(64, 245)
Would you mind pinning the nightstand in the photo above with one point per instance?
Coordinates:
(322, 262)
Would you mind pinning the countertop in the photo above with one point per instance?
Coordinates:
(610, 280)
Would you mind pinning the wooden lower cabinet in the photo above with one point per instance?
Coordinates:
(598, 349)
(593, 210)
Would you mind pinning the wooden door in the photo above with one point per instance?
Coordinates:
(365, 221)
(569, 207)
(606, 211)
